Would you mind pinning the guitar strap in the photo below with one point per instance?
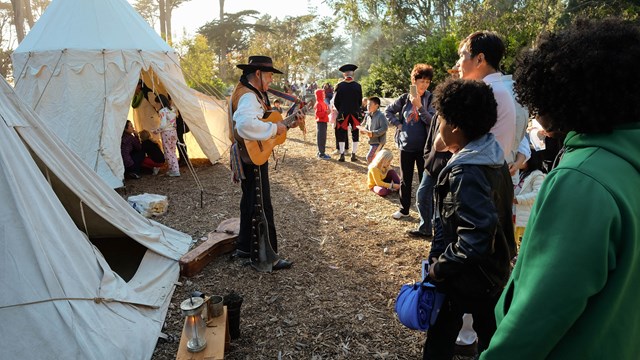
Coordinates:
(262, 255)
(240, 90)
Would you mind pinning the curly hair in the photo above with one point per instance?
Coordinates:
(583, 78)
(422, 71)
(468, 105)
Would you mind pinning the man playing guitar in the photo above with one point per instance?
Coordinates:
(249, 102)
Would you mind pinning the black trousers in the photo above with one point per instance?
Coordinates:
(441, 336)
(409, 161)
(343, 136)
(248, 202)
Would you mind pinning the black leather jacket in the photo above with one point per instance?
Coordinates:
(474, 202)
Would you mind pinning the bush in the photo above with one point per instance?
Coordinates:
(390, 77)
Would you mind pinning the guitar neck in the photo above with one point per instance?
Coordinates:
(291, 119)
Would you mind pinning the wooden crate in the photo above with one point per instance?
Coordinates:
(217, 335)
(220, 241)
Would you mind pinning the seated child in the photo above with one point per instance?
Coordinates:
(375, 127)
(154, 159)
(526, 191)
(131, 150)
(382, 180)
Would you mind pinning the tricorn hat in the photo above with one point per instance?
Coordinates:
(348, 67)
(263, 63)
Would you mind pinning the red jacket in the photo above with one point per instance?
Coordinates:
(322, 109)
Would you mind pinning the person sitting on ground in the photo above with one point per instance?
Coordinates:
(131, 149)
(573, 293)
(167, 129)
(470, 263)
(375, 127)
(381, 178)
(154, 158)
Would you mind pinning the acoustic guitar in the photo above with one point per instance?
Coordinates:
(260, 150)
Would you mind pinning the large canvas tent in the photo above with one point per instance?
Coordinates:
(78, 68)
(83, 276)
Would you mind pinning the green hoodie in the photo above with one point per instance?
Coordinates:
(575, 290)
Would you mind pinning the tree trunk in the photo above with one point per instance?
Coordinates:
(222, 52)
(18, 18)
(28, 13)
(163, 20)
(168, 26)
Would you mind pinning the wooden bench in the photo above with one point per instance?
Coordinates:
(218, 340)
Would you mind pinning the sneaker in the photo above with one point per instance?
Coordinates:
(324, 157)
(399, 215)
(341, 158)
(156, 170)
(354, 158)
(335, 152)
(173, 174)
(133, 176)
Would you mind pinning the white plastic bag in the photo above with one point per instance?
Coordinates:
(149, 204)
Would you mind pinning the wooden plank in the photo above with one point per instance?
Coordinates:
(217, 335)
(221, 241)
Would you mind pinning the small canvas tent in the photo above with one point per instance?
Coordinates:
(83, 276)
(78, 68)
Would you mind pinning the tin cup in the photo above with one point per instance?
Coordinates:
(214, 306)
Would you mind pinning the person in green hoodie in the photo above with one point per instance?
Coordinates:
(575, 289)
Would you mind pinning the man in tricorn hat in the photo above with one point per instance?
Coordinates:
(348, 100)
(249, 101)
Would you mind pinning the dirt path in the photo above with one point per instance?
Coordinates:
(350, 258)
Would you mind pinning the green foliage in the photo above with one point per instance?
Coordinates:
(197, 62)
(626, 9)
(390, 77)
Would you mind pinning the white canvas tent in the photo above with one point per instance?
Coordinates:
(83, 276)
(78, 68)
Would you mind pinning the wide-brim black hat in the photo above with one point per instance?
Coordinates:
(348, 67)
(263, 63)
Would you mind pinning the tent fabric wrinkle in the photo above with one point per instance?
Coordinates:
(57, 286)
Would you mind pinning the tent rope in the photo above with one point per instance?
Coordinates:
(49, 80)
(24, 69)
(97, 300)
(104, 109)
(195, 126)
(84, 219)
(218, 93)
(180, 148)
(213, 92)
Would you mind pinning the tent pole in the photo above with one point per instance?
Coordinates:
(49, 80)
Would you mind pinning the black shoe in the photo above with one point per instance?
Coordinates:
(341, 158)
(418, 233)
(282, 264)
(133, 176)
(354, 158)
(242, 254)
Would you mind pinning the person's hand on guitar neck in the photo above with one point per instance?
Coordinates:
(293, 120)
